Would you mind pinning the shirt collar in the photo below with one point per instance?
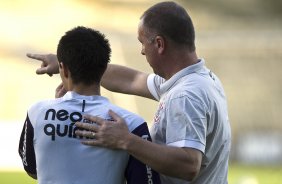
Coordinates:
(186, 71)
(73, 95)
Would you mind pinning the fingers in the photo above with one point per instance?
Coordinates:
(97, 120)
(39, 57)
(84, 133)
(60, 86)
(60, 91)
(100, 121)
(87, 126)
(42, 70)
(90, 142)
(101, 132)
(114, 115)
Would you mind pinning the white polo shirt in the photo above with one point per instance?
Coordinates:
(193, 113)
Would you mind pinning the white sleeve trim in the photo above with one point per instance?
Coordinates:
(152, 87)
(188, 144)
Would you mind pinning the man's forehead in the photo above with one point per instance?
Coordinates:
(140, 30)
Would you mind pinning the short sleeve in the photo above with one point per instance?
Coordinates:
(153, 82)
(26, 149)
(187, 124)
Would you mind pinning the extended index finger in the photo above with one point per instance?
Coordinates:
(39, 57)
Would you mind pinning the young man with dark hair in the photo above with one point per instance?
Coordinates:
(49, 148)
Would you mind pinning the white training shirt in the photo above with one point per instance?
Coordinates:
(193, 113)
(49, 147)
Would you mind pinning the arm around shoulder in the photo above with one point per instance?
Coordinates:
(185, 162)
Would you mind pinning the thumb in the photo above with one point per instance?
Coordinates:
(42, 70)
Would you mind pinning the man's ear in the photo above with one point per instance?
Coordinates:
(160, 44)
(64, 69)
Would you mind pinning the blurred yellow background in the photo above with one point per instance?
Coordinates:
(240, 40)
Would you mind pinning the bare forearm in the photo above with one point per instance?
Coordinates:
(177, 162)
(125, 80)
(181, 163)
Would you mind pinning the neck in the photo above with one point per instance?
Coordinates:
(86, 90)
(178, 61)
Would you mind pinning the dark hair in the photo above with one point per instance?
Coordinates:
(86, 53)
(171, 21)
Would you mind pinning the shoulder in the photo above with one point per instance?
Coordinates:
(190, 90)
(38, 109)
(44, 104)
(132, 120)
(153, 83)
(201, 88)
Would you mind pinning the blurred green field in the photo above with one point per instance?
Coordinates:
(245, 174)
(7, 177)
(238, 174)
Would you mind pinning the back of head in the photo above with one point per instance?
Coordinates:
(85, 53)
(171, 21)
